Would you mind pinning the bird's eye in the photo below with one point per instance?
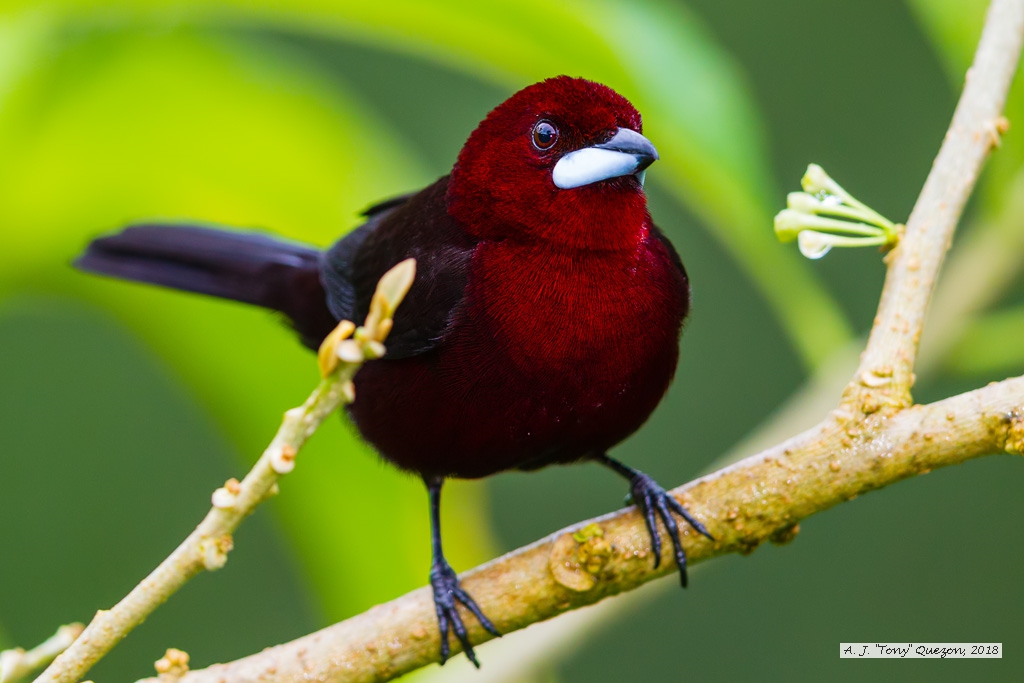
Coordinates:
(544, 135)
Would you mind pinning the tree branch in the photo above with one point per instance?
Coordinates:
(886, 371)
(761, 498)
(16, 664)
(208, 545)
(875, 438)
(984, 265)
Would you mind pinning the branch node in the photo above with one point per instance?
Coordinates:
(327, 356)
(215, 552)
(350, 351)
(225, 497)
(173, 665)
(785, 535)
(878, 377)
(283, 461)
(1014, 443)
(17, 663)
(568, 568)
(998, 129)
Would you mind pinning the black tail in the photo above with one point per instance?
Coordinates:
(242, 266)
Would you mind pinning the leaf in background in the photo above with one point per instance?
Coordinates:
(121, 123)
(991, 346)
(986, 262)
(954, 27)
(697, 108)
(22, 43)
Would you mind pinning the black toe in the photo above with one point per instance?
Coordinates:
(653, 500)
(447, 592)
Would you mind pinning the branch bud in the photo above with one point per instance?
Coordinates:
(391, 289)
(222, 499)
(327, 356)
(350, 351)
(215, 552)
(283, 460)
(173, 665)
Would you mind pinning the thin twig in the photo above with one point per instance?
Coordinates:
(874, 439)
(17, 664)
(208, 545)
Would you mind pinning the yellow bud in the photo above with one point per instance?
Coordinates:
(788, 224)
(350, 351)
(815, 180)
(327, 356)
(373, 349)
(803, 202)
(391, 289)
(396, 283)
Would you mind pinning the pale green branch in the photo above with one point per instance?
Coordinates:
(983, 266)
(208, 545)
(17, 664)
(886, 371)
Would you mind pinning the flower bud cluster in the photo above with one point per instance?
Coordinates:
(355, 345)
(825, 215)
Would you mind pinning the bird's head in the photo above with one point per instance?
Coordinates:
(562, 160)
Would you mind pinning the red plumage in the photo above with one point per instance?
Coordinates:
(567, 335)
(554, 354)
(543, 324)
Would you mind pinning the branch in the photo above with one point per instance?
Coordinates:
(208, 545)
(761, 498)
(875, 438)
(984, 265)
(886, 371)
(16, 664)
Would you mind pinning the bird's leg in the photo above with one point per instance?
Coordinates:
(653, 500)
(445, 583)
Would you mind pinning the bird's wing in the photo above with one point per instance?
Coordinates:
(385, 205)
(416, 226)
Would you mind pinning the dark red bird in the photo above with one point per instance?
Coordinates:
(544, 323)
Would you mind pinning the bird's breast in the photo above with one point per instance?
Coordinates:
(578, 331)
(589, 318)
(552, 356)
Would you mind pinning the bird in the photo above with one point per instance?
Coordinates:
(543, 325)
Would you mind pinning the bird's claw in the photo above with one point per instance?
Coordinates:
(447, 592)
(653, 500)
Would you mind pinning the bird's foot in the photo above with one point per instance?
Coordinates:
(652, 499)
(447, 592)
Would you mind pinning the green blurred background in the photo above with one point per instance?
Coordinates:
(124, 406)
